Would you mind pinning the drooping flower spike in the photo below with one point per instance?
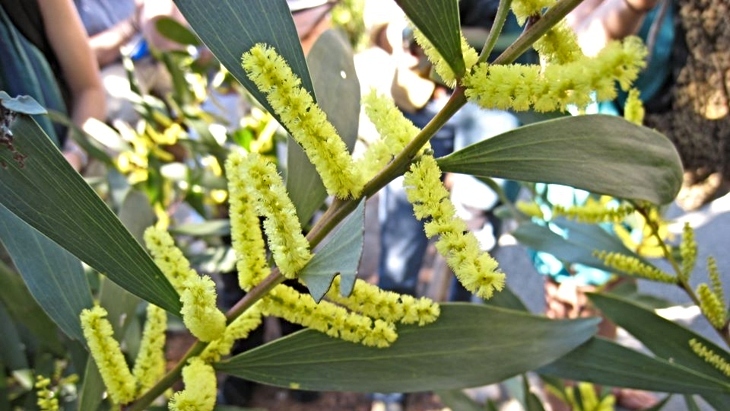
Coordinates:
(476, 270)
(439, 63)
(304, 119)
(118, 379)
(197, 293)
(287, 244)
(200, 388)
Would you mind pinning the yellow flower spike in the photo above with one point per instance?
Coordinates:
(236, 330)
(372, 301)
(530, 209)
(634, 266)
(395, 130)
(440, 65)
(594, 212)
(710, 356)
(712, 307)
(119, 381)
(526, 8)
(634, 108)
(200, 388)
(247, 238)
(199, 311)
(149, 366)
(307, 123)
(328, 318)
(559, 45)
(168, 257)
(688, 251)
(476, 270)
(287, 244)
(715, 280)
(47, 400)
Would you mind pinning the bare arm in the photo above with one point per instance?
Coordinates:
(78, 65)
(107, 43)
(596, 22)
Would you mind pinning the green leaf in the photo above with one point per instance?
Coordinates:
(599, 153)
(338, 95)
(339, 255)
(691, 403)
(439, 22)
(662, 337)
(49, 195)
(231, 27)
(53, 276)
(604, 362)
(176, 32)
(92, 389)
(12, 352)
(137, 214)
(24, 309)
(458, 400)
(21, 104)
(469, 345)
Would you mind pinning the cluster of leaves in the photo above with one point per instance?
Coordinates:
(51, 220)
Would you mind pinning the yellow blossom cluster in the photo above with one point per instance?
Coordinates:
(238, 329)
(371, 300)
(556, 86)
(710, 356)
(439, 63)
(634, 266)
(688, 251)
(395, 130)
(476, 270)
(559, 45)
(634, 108)
(200, 388)
(304, 119)
(149, 366)
(712, 307)
(270, 199)
(528, 8)
(197, 293)
(594, 212)
(47, 400)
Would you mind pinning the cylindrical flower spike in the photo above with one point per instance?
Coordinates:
(528, 8)
(440, 65)
(47, 399)
(634, 266)
(559, 45)
(715, 279)
(371, 300)
(710, 356)
(236, 330)
(688, 251)
(712, 307)
(304, 119)
(395, 131)
(634, 108)
(328, 318)
(149, 366)
(246, 237)
(200, 388)
(286, 242)
(476, 270)
(557, 86)
(197, 294)
(107, 354)
(594, 212)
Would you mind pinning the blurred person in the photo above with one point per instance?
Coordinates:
(44, 54)
(119, 27)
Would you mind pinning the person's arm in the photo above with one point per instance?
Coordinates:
(106, 44)
(596, 22)
(78, 65)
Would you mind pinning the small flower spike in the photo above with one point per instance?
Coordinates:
(47, 400)
(246, 236)
(304, 119)
(634, 266)
(328, 318)
(712, 307)
(594, 212)
(710, 356)
(371, 300)
(200, 388)
(634, 108)
(440, 65)
(528, 8)
(149, 366)
(476, 270)
(688, 251)
(559, 45)
(197, 293)
(236, 330)
(119, 381)
(395, 131)
(286, 242)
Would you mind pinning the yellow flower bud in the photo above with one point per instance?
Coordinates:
(634, 266)
(710, 356)
(712, 307)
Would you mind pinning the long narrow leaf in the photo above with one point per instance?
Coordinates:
(45, 192)
(599, 153)
(469, 345)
